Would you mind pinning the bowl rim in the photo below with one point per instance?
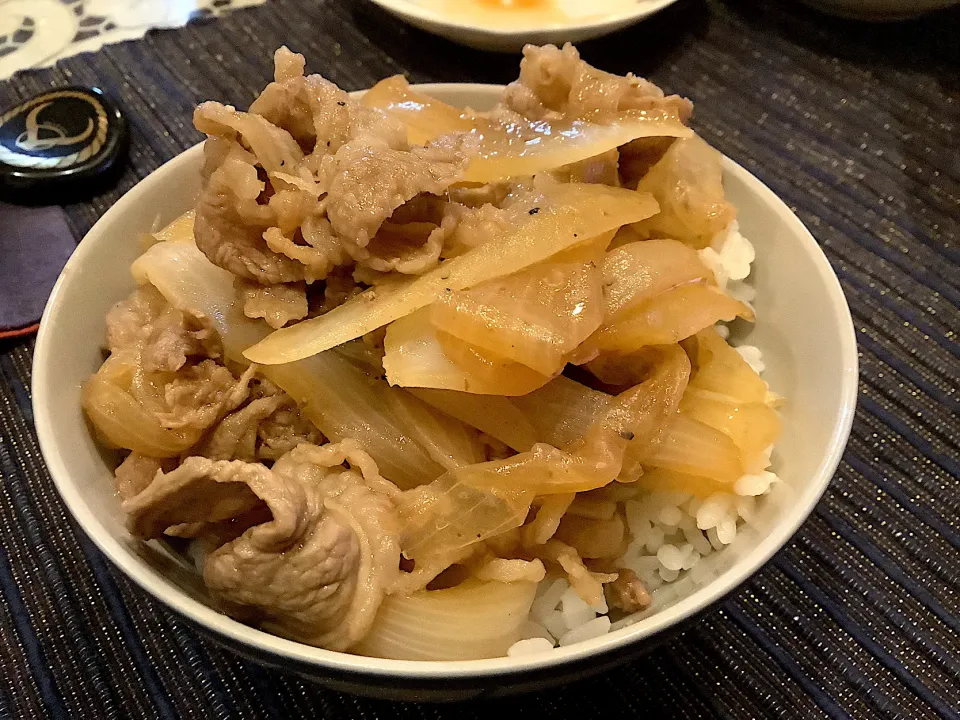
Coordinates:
(410, 11)
(219, 624)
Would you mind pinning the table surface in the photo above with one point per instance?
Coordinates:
(37, 33)
(854, 126)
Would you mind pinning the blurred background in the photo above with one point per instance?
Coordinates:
(37, 33)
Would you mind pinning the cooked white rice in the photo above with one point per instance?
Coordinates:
(671, 532)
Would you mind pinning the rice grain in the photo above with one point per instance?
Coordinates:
(530, 646)
(574, 610)
(670, 557)
(595, 628)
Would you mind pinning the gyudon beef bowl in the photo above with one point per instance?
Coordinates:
(442, 390)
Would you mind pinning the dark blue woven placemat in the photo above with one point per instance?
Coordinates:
(854, 126)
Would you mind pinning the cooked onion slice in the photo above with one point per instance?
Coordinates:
(448, 441)
(470, 621)
(668, 318)
(495, 415)
(514, 145)
(624, 369)
(338, 396)
(588, 585)
(638, 271)
(179, 230)
(535, 317)
(562, 411)
(512, 149)
(425, 117)
(753, 427)
(549, 515)
(688, 184)
(721, 369)
(660, 479)
(473, 503)
(570, 215)
(345, 402)
(124, 422)
(692, 447)
(499, 376)
(419, 356)
(452, 513)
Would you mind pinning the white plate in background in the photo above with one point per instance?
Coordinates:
(518, 22)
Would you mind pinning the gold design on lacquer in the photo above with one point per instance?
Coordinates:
(30, 138)
(40, 134)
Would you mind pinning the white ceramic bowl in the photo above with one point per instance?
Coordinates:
(460, 29)
(880, 9)
(804, 330)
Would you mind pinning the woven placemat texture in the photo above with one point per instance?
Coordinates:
(855, 126)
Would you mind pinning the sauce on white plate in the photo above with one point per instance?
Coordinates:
(525, 13)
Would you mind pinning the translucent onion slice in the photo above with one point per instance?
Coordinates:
(419, 356)
(515, 570)
(189, 281)
(753, 427)
(569, 215)
(476, 502)
(688, 184)
(516, 146)
(480, 501)
(638, 271)
(535, 317)
(624, 369)
(450, 513)
(510, 150)
(413, 356)
(425, 117)
(123, 421)
(339, 397)
(470, 621)
(660, 479)
(491, 371)
(548, 518)
(668, 318)
(655, 409)
(562, 411)
(721, 369)
(448, 441)
(180, 230)
(692, 447)
(366, 356)
(629, 424)
(495, 415)
(545, 470)
(344, 402)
